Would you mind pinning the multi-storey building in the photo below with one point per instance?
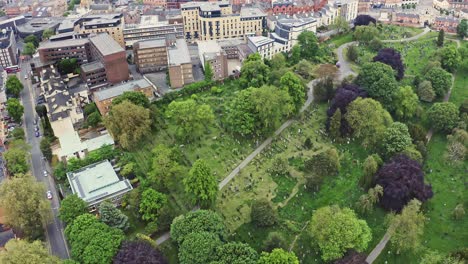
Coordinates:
(211, 53)
(215, 20)
(150, 55)
(8, 50)
(53, 51)
(262, 45)
(287, 30)
(109, 23)
(448, 24)
(151, 28)
(158, 3)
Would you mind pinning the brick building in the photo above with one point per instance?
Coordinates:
(448, 24)
(53, 51)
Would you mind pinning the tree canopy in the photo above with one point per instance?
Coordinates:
(263, 214)
(440, 80)
(22, 251)
(406, 102)
(395, 139)
(165, 166)
(443, 116)
(138, 252)
(201, 183)
(47, 33)
(379, 81)
(199, 248)
(254, 72)
(392, 58)
(462, 28)
(364, 20)
(16, 157)
(110, 215)
(33, 40)
(403, 180)
(66, 66)
(364, 34)
(15, 109)
(278, 256)
(295, 88)
(450, 58)
(197, 221)
(135, 97)
(151, 203)
(425, 91)
(13, 86)
(235, 253)
(308, 44)
(71, 207)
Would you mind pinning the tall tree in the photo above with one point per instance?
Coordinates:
(278, 61)
(112, 216)
(138, 252)
(440, 38)
(337, 230)
(254, 72)
(15, 109)
(33, 40)
(443, 116)
(128, 123)
(324, 89)
(47, 34)
(364, 20)
(406, 102)
(278, 256)
(28, 49)
(16, 157)
(368, 120)
(392, 58)
(197, 221)
(135, 97)
(13, 86)
(72, 207)
(403, 180)
(440, 80)
(304, 68)
(378, 80)
(235, 252)
(208, 72)
(165, 167)
(22, 251)
(450, 58)
(340, 25)
(45, 148)
(150, 204)
(295, 88)
(201, 183)
(425, 91)
(364, 34)
(189, 117)
(370, 167)
(335, 125)
(407, 228)
(353, 53)
(308, 44)
(367, 201)
(462, 29)
(66, 66)
(263, 213)
(395, 139)
(26, 207)
(199, 248)
(274, 240)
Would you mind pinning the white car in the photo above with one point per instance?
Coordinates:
(49, 195)
(25, 77)
(45, 173)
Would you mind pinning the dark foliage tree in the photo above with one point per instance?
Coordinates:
(66, 66)
(236, 253)
(138, 252)
(364, 20)
(263, 214)
(32, 39)
(440, 38)
(45, 148)
(392, 58)
(198, 221)
(323, 90)
(352, 257)
(274, 240)
(403, 180)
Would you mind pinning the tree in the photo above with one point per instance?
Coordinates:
(462, 29)
(375, 44)
(22, 251)
(196, 222)
(450, 58)
(18, 133)
(278, 256)
(128, 123)
(208, 72)
(137, 252)
(325, 163)
(47, 33)
(291, 83)
(378, 80)
(364, 34)
(135, 97)
(150, 204)
(263, 214)
(403, 180)
(407, 228)
(13, 86)
(165, 167)
(189, 117)
(340, 24)
(113, 217)
(406, 102)
(304, 68)
(443, 116)
(66, 66)
(440, 38)
(326, 71)
(370, 168)
(335, 125)
(425, 91)
(353, 53)
(392, 58)
(395, 139)
(459, 212)
(368, 120)
(93, 119)
(308, 44)
(278, 61)
(91, 241)
(45, 148)
(16, 157)
(352, 257)
(201, 183)
(28, 49)
(274, 240)
(367, 201)
(364, 20)
(199, 248)
(440, 80)
(254, 72)
(32, 39)
(71, 207)
(457, 144)
(337, 230)
(324, 89)
(26, 208)
(15, 109)
(279, 166)
(235, 252)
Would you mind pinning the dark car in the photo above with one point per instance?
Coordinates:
(37, 134)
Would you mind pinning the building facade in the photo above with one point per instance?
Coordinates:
(8, 49)
(179, 63)
(150, 55)
(215, 20)
(448, 24)
(53, 51)
(157, 3)
(112, 24)
(262, 45)
(150, 28)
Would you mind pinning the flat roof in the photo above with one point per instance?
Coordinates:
(92, 66)
(247, 12)
(97, 182)
(117, 90)
(62, 43)
(297, 22)
(99, 142)
(178, 54)
(154, 43)
(205, 6)
(105, 44)
(259, 41)
(101, 21)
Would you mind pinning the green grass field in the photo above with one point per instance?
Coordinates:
(397, 32)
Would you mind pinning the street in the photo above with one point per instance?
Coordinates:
(54, 231)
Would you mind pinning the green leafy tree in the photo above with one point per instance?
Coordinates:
(325, 163)
(16, 157)
(375, 44)
(278, 61)
(305, 69)
(263, 214)
(274, 240)
(196, 222)
(189, 117)
(440, 80)
(395, 139)
(457, 146)
(364, 34)
(15, 109)
(47, 33)
(278, 256)
(335, 125)
(370, 168)
(45, 148)
(199, 248)
(295, 56)
(165, 167)
(112, 216)
(353, 53)
(407, 228)
(279, 166)
(406, 102)
(462, 29)
(90, 108)
(308, 44)
(440, 38)
(25, 205)
(340, 25)
(13, 86)
(18, 133)
(151, 203)
(366, 202)
(450, 58)
(443, 116)
(368, 120)
(337, 230)
(22, 251)
(94, 119)
(295, 88)
(32, 39)
(208, 72)
(135, 97)
(71, 207)
(201, 183)
(28, 49)
(128, 123)
(235, 252)
(458, 212)
(254, 72)
(378, 79)
(425, 91)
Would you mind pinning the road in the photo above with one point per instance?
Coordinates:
(54, 230)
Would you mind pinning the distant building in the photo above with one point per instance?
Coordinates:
(262, 45)
(448, 24)
(8, 49)
(12, 23)
(407, 18)
(98, 182)
(151, 28)
(36, 26)
(99, 23)
(441, 4)
(150, 55)
(157, 3)
(103, 98)
(211, 52)
(287, 30)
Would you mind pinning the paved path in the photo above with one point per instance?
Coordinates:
(378, 249)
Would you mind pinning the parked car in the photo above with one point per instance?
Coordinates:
(35, 122)
(36, 129)
(45, 173)
(49, 195)
(37, 134)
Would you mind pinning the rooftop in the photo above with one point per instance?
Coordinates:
(105, 44)
(104, 21)
(5, 39)
(97, 182)
(297, 22)
(117, 90)
(247, 12)
(205, 6)
(178, 53)
(149, 44)
(63, 43)
(39, 24)
(92, 66)
(259, 41)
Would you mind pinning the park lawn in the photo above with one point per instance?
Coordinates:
(460, 87)
(341, 39)
(390, 32)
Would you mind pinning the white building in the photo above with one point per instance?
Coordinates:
(287, 31)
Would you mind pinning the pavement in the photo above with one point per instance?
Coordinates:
(54, 231)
